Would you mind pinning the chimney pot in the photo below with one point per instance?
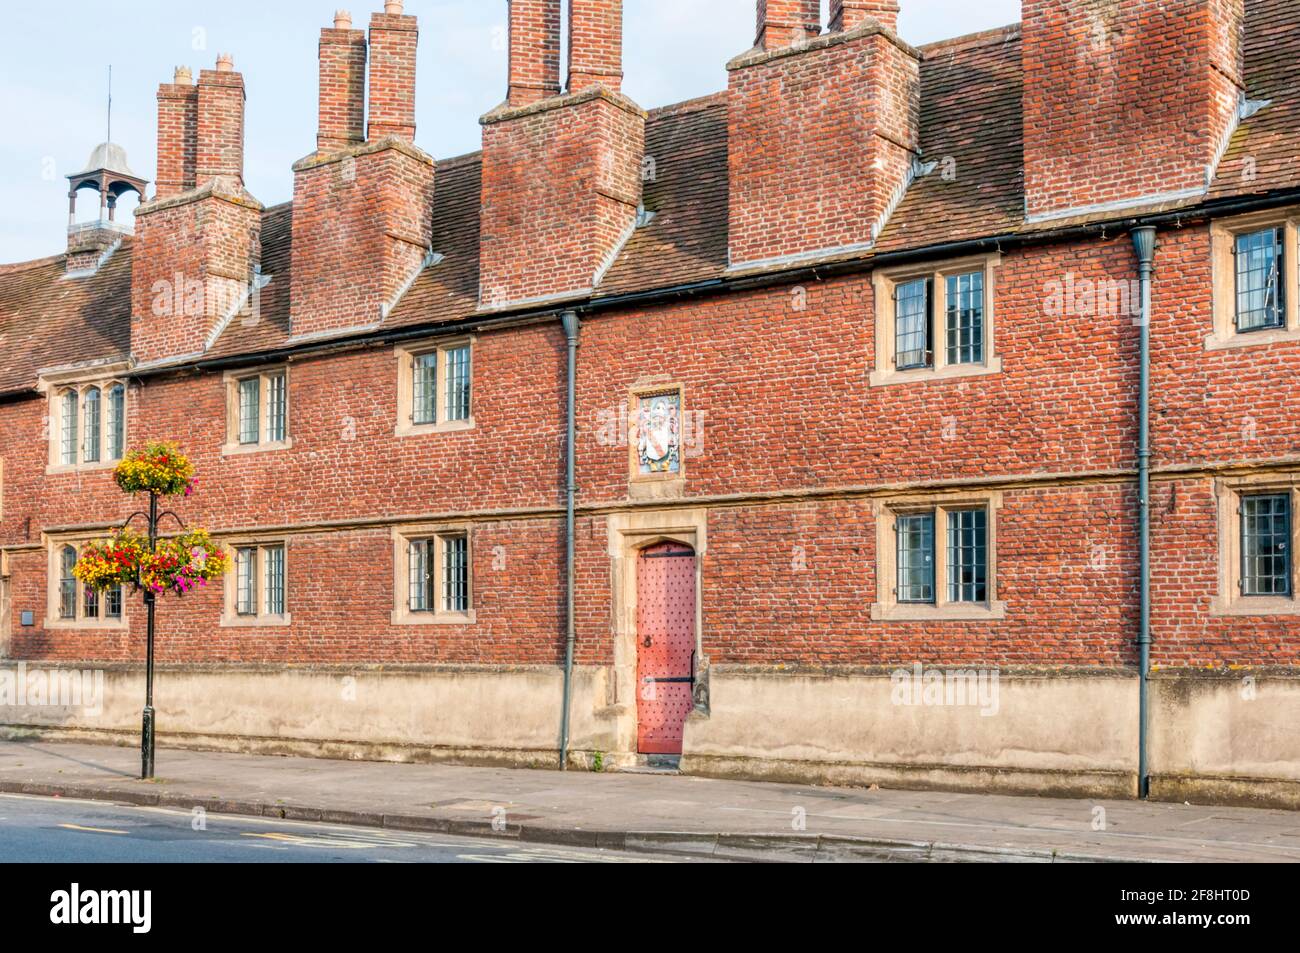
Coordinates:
(184, 76)
(393, 8)
(342, 20)
(225, 63)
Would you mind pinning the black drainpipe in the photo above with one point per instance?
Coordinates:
(1144, 242)
(572, 328)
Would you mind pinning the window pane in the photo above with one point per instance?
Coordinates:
(968, 556)
(113, 603)
(246, 581)
(90, 604)
(420, 570)
(68, 429)
(912, 324)
(274, 557)
(916, 557)
(458, 380)
(249, 410)
(67, 584)
(277, 407)
(1266, 545)
(455, 574)
(91, 411)
(1260, 285)
(966, 318)
(424, 396)
(116, 422)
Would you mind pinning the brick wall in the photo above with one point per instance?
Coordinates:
(1125, 100)
(785, 406)
(820, 143)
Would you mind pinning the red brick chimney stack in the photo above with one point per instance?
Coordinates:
(561, 174)
(1127, 102)
(343, 55)
(220, 123)
(363, 201)
(783, 23)
(807, 114)
(178, 134)
(595, 44)
(394, 38)
(849, 14)
(534, 50)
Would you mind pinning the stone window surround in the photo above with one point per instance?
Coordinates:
(888, 608)
(230, 381)
(406, 355)
(402, 538)
(54, 549)
(1229, 601)
(230, 618)
(55, 392)
(1223, 235)
(885, 280)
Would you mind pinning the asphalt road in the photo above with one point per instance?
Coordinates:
(48, 830)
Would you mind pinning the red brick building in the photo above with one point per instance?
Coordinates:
(857, 401)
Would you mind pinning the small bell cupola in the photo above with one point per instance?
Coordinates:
(109, 174)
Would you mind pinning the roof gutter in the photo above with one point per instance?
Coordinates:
(727, 285)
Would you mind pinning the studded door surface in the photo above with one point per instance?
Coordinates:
(665, 609)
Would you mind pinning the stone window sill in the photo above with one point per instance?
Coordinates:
(945, 373)
(243, 449)
(257, 621)
(1256, 606)
(58, 468)
(405, 617)
(419, 430)
(88, 625)
(951, 612)
(1217, 342)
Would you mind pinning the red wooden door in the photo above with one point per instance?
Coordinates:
(665, 664)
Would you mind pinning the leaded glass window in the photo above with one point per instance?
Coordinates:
(1261, 294)
(68, 428)
(113, 603)
(968, 555)
(277, 408)
(1266, 545)
(246, 581)
(912, 346)
(965, 322)
(425, 394)
(457, 372)
(67, 583)
(90, 411)
(273, 557)
(421, 575)
(455, 574)
(915, 557)
(116, 431)
(249, 410)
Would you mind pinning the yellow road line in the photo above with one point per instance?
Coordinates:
(93, 830)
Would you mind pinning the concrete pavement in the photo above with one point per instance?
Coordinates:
(663, 813)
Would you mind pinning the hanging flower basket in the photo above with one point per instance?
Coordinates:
(111, 563)
(156, 468)
(182, 564)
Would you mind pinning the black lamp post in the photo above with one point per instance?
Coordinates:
(151, 605)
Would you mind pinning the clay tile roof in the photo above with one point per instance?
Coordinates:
(49, 321)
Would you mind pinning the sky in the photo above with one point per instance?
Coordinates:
(55, 57)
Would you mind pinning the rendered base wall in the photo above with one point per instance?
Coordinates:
(1216, 738)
